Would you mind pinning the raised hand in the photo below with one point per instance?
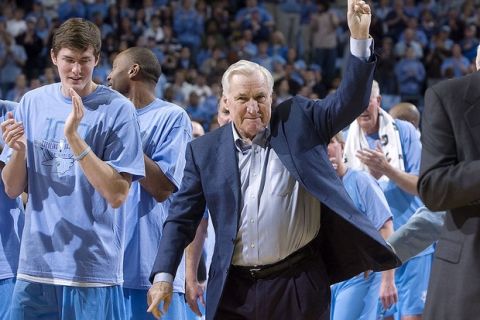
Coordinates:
(13, 133)
(75, 116)
(359, 17)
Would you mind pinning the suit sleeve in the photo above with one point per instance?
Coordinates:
(420, 231)
(445, 182)
(338, 110)
(186, 211)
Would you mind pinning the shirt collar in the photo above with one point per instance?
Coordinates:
(261, 139)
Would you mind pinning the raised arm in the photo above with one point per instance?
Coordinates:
(112, 185)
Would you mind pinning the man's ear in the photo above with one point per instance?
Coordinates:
(224, 99)
(53, 57)
(134, 70)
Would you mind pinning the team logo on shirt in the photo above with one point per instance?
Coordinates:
(56, 154)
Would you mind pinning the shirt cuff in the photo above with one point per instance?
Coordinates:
(163, 276)
(361, 48)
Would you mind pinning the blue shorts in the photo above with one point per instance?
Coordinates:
(411, 280)
(136, 306)
(6, 291)
(356, 298)
(32, 300)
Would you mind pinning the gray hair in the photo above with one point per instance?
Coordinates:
(246, 68)
(375, 89)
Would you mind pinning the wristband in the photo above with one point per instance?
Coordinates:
(83, 154)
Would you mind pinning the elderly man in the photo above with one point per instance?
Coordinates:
(279, 211)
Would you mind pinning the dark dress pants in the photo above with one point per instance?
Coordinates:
(299, 293)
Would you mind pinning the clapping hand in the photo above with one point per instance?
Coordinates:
(14, 133)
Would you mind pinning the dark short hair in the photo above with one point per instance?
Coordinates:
(150, 68)
(77, 34)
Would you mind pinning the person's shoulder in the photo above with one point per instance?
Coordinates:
(405, 127)
(361, 177)
(107, 96)
(212, 137)
(168, 107)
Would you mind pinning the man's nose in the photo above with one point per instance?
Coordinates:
(252, 106)
(76, 68)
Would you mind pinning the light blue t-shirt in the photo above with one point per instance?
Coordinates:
(165, 129)
(403, 204)
(71, 232)
(367, 196)
(11, 217)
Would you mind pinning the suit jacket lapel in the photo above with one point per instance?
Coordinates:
(228, 167)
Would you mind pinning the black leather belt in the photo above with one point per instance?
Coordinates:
(271, 270)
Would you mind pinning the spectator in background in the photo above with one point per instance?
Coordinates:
(456, 65)
(12, 61)
(33, 46)
(288, 20)
(323, 26)
(408, 41)
(70, 9)
(188, 25)
(154, 29)
(20, 88)
(385, 71)
(396, 20)
(469, 42)
(17, 24)
(411, 76)
(256, 19)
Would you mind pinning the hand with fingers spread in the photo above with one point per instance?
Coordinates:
(359, 16)
(160, 291)
(75, 116)
(375, 160)
(194, 292)
(13, 133)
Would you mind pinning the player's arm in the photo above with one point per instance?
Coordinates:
(112, 185)
(156, 182)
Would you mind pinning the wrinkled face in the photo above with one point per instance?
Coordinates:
(118, 78)
(75, 69)
(368, 120)
(249, 102)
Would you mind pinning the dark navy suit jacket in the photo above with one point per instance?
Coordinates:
(300, 131)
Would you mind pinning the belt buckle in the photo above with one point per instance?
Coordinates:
(254, 271)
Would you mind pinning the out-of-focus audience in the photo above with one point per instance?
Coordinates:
(301, 42)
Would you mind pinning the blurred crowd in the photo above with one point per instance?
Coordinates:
(303, 44)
